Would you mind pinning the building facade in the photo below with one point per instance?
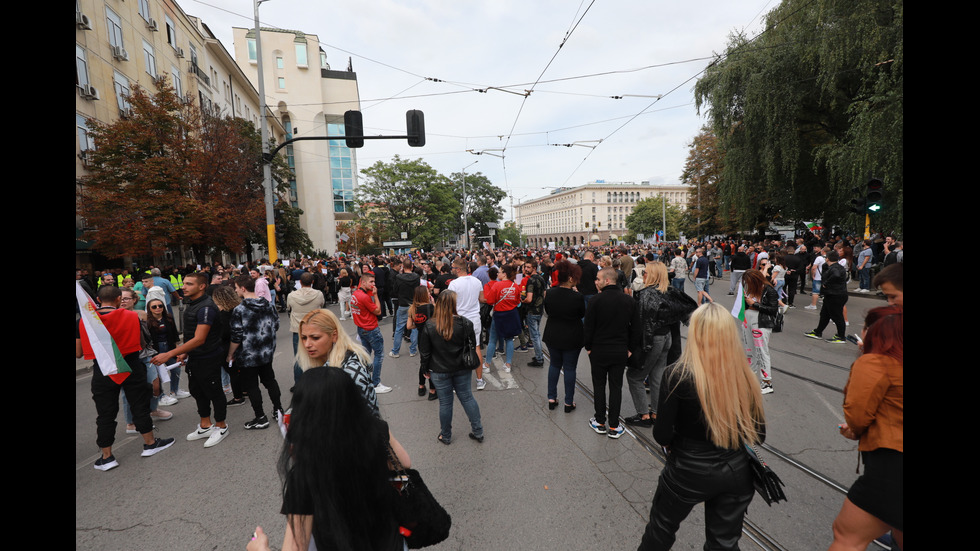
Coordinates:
(310, 100)
(594, 212)
(121, 44)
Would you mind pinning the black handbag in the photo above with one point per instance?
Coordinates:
(767, 483)
(470, 359)
(421, 520)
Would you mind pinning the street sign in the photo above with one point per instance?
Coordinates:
(396, 243)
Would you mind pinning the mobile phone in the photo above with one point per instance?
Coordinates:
(854, 338)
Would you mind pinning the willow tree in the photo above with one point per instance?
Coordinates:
(809, 109)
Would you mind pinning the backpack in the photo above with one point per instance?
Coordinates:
(639, 273)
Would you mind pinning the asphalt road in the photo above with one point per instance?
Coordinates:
(541, 480)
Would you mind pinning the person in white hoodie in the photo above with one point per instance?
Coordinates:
(299, 303)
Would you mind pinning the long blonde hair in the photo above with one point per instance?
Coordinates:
(326, 321)
(728, 390)
(655, 275)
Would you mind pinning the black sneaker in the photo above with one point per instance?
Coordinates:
(638, 421)
(236, 402)
(535, 363)
(106, 463)
(157, 446)
(277, 413)
(258, 423)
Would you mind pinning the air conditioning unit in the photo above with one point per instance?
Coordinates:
(120, 53)
(82, 22)
(90, 92)
(152, 25)
(180, 52)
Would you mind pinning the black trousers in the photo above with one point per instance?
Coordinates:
(832, 310)
(605, 369)
(105, 394)
(250, 382)
(204, 383)
(721, 479)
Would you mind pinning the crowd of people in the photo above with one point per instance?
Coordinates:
(457, 310)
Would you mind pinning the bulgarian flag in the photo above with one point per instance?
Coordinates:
(813, 227)
(110, 360)
(738, 310)
(508, 243)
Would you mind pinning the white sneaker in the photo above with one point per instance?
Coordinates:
(506, 368)
(811, 307)
(183, 394)
(382, 389)
(200, 433)
(167, 400)
(481, 384)
(393, 355)
(217, 435)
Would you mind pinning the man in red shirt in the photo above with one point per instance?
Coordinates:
(365, 308)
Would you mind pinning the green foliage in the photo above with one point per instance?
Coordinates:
(512, 232)
(410, 196)
(703, 172)
(809, 109)
(647, 218)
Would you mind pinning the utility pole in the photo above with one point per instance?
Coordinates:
(270, 217)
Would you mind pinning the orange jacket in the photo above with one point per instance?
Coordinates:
(874, 402)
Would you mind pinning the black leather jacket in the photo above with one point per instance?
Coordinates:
(767, 306)
(440, 355)
(658, 311)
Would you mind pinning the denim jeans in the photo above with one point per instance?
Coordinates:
(297, 370)
(401, 318)
(678, 283)
(702, 285)
(864, 278)
(534, 329)
(373, 341)
(460, 382)
(151, 375)
(567, 361)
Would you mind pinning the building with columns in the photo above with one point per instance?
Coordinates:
(594, 212)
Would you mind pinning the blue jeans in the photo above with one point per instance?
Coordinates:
(460, 382)
(401, 318)
(373, 341)
(534, 329)
(566, 360)
(151, 375)
(297, 370)
(678, 283)
(864, 276)
(496, 343)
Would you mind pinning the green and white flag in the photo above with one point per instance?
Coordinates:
(738, 310)
(106, 352)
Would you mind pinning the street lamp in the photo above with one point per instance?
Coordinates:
(270, 219)
(466, 228)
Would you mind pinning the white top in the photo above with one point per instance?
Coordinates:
(467, 289)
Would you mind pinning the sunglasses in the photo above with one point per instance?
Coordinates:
(156, 307)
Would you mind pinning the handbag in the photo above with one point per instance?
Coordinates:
(470, 359)
(777, 326)
(767, 483)
(421, 520)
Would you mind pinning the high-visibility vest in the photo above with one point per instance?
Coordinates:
(177, 281)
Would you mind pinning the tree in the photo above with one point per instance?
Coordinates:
(647, 218)
(411, 197)
(809, 109)
(703, 172)
(512, 233)
(170, 176)
(482, 201)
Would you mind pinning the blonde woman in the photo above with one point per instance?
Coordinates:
(324, 343)
(345, 284)
(710, 408)
(658, 318)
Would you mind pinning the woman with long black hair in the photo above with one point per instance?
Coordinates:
(336, 471)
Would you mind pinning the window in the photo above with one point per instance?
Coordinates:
(121, 84)
(323, 60)
(301, 54)
(175, 74)
(252, 55)
(280, 63)
(85, 140)
(341, 170)
(193, 55)
(171, 31)
(144, 9)
(81, 66)
(115, 28)
(282, 83)
(149, 60)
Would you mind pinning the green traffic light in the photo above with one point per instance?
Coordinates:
(875, 207)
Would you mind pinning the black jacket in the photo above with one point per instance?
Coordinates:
(612, 324)
(440, 355)
(403, 287)
(834, 279)
(767, 307)
(659, 311)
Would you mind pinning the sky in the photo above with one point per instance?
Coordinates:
(571, 54)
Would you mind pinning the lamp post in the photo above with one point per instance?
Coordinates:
(270, 218)
(466, 227)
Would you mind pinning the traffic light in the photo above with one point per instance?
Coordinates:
(415, 121)
(874, 195)
(858, 202)
(354, 126)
